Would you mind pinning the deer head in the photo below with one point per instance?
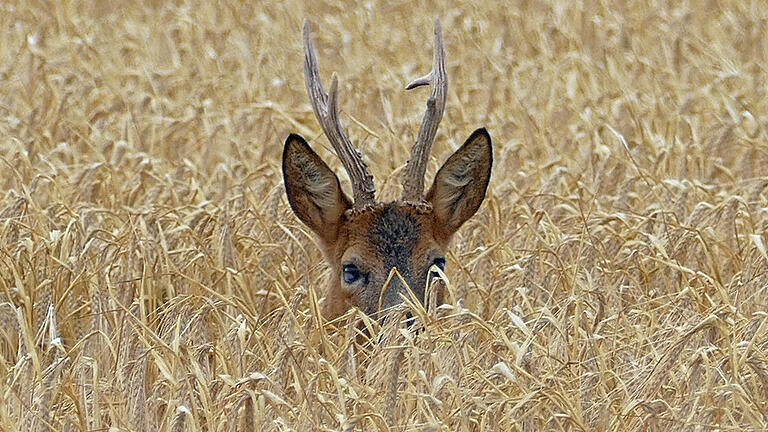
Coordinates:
(367, 242)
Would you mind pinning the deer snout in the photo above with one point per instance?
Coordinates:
(396, 289)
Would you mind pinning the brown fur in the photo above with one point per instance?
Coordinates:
(397, 235)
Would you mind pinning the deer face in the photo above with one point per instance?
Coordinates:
(371, 245)
(380, 253)
(363, 246)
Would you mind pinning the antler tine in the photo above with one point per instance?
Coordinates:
(413, 181)
(326, 110)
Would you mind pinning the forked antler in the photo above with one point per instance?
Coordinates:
(413, 180)
(326, 110)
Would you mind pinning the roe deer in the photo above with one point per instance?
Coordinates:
(365, 241)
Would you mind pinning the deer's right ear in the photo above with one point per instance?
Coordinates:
(313, 189)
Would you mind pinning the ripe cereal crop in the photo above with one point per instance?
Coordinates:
(153, 276)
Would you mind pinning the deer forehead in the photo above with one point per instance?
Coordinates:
(393, 233)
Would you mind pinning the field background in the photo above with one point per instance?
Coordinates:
(152, 276)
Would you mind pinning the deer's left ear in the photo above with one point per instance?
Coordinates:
(460, 184)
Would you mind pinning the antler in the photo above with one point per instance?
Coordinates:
(326, 110)
(413, 181)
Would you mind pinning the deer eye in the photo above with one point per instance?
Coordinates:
(351, 273)
(439, 263)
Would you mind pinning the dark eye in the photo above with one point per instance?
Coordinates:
(351, 273)
(439, 263)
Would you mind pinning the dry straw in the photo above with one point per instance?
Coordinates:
(152, 276)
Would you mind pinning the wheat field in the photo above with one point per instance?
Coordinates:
(153, 277)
